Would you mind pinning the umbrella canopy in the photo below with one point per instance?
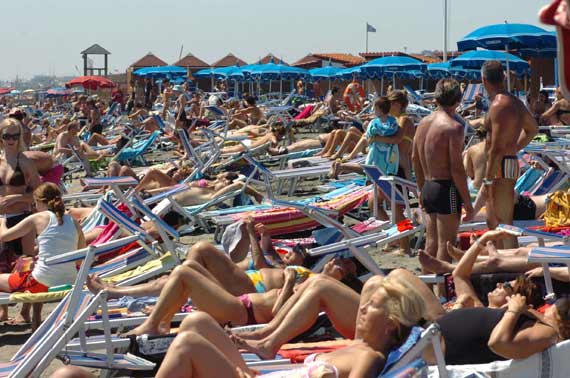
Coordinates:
(161, 72)
(389, 65)
(4, 91)
(15, 92)
(59, 91)
(515, 36)
(272, 71)
(206, 72)
(438, 70)
(90, 82)
(349, 73)
(29, 91)
(325, 73)
(231, 72)
(474, 60)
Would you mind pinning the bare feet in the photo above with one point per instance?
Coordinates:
(149, 329)
(455, 253)
(19, 320)
(434, 265)
(259, 347)
(95, 284)
(335, 167)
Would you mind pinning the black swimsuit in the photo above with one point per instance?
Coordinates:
(466, 333)
(441, 197)
(18, 178)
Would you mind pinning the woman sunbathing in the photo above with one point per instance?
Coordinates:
(272, 138)
(57, 233)
(384, 322)
(481, 258)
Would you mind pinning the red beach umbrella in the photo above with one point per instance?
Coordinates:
(90, 82)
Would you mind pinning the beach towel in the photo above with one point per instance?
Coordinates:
(305, 113)
(558, 209)
(383, 155)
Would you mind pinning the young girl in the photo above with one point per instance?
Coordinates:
(383, 155)
(57, 233)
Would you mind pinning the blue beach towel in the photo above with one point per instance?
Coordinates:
(383, 155)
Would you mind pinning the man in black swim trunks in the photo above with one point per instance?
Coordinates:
(441, 178)
(510, 127)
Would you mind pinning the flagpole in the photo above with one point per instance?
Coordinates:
(367, 38)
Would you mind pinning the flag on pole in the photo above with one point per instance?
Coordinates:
(370, 28)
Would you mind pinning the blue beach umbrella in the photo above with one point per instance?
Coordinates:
(390, 65)
(438, 70)
(473, 60)
(349, 73)
(507, 36)
(231, 72)
(325, 73)
(163, 71)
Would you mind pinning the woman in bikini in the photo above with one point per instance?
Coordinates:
(19, 177)
(383, 323)
(559, 112)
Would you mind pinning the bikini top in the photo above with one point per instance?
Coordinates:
(18, 178)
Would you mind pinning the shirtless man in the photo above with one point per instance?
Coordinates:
(439, 170)
(510, 127)
(166, 94)
(69, 137)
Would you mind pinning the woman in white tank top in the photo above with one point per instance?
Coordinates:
(57, 233)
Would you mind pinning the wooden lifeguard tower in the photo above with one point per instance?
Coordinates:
(95, 71)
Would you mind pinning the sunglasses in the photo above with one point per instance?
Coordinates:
(507, 285)
(11, 136)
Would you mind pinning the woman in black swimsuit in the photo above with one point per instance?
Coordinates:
(18, 178)
(482, 335)
(559, 113)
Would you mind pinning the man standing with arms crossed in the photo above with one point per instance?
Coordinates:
(510, 128)
(440, 174)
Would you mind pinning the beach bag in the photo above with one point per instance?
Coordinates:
(558, 209)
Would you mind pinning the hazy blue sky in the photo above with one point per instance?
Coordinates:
(46, 36)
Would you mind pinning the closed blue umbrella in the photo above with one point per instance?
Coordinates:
(474, 60)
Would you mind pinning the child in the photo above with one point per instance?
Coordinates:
(383, 155)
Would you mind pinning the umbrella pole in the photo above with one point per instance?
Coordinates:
(382, 86)
(394, 81)
(508, 69)
(280, 88)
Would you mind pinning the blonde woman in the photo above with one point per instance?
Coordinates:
(385, 318)
(18, 178)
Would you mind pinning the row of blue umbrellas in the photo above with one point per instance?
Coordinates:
(527, 40)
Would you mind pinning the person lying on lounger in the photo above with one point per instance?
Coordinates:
(394, 308)
(276, 133)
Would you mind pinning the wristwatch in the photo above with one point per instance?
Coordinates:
(487, 182)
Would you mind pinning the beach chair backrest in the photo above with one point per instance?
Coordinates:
(122, 220)
(375, 175)
(470, 92)
(413, 94)
(106, 181)
(140, 206)
(190, 152)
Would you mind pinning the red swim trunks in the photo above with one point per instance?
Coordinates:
(22, 282)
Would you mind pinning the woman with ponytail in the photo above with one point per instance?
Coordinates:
(56, 232)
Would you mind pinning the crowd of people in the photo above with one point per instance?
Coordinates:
(246, 281)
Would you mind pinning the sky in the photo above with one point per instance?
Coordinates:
(47, 36)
